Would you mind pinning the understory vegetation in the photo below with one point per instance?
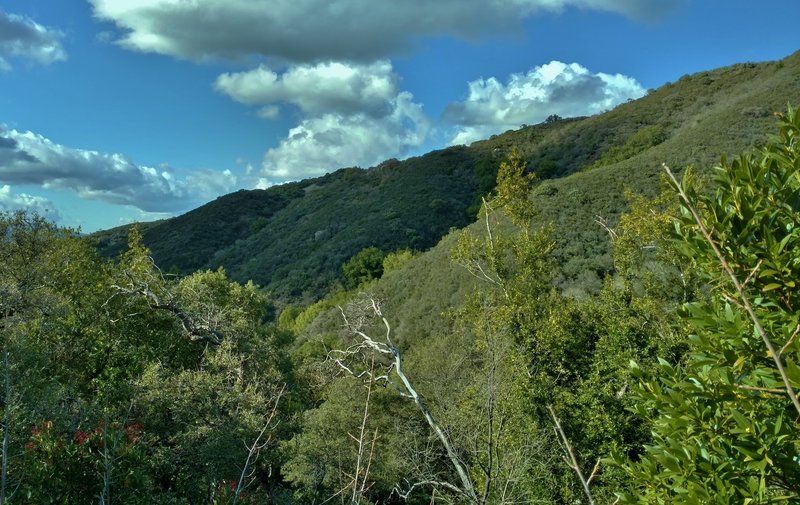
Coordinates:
(674, 382)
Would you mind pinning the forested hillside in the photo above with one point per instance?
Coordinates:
(293, 239)
(586, 325)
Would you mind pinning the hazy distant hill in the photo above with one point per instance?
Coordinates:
(292, 239)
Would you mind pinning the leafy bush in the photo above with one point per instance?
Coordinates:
(725, 420)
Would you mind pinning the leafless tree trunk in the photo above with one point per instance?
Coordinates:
(387, 348)
(255, 448)
(359, 488)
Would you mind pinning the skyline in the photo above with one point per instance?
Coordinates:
(114, 111)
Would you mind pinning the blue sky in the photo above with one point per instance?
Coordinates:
(120, 110)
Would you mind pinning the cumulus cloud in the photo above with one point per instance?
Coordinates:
(557, 88)
(21, 37)
(351, 114)
(10, 201)
(29, 158)
(323, 30)
(320, 144)
(331, 87)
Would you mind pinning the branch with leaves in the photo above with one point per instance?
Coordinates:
(740, 290)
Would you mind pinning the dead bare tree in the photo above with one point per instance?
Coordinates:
(371, 310)
(255, 448)
(358, 481)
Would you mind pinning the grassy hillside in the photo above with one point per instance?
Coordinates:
(292, 239)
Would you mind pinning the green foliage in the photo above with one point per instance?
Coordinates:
(140, 387)
(211, 413)
(63, 467)
(724, 428)
(364, 266)
(292, 239)
(562, 305)
(314, 226)
(644, 138)
(396, 260)
(321, 459)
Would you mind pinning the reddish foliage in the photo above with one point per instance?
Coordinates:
(80, 437)
(133, 431)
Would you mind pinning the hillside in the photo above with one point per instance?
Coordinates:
(728, 111)
(292, 239)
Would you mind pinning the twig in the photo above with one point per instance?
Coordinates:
(752, 272)
(595, 471)
(256, 447)
(603, 222)
(763, 390)
(573, 463)
(789, 342)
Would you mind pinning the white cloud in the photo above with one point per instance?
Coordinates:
(351, 114)
(323, 30)
(555, 88)
(29, 158)
(269, 112)
(329, 141)
(329, 59)
(331, 87)
(10, 201)
(22, 37)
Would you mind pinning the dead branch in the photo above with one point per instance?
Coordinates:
(603, 222)
(196, 327)
(255, 448)
(573, 462)
(388, 348)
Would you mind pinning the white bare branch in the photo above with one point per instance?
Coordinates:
(356, 327)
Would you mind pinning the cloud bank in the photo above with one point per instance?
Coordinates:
(310, 31)
(327, 62)
(563, 89)
(21, 37)
(29, 158)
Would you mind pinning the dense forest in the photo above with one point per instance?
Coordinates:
(586, 327)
